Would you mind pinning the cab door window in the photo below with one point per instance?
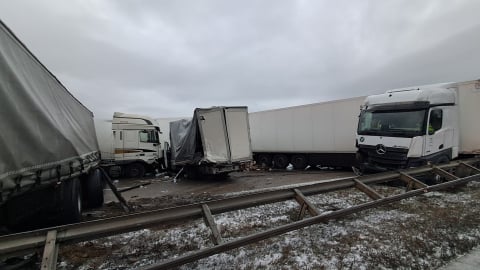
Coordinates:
(143, 136)
(435, 121)
(148, 136)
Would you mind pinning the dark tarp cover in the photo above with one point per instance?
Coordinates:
(42, 124)
(183, 140)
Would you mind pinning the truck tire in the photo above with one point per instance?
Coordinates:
(442, 160)
(299, 162)
(280, 161)
(92, 189)
(264, 160)
(135, 170)
(115, 171)
(71, 203)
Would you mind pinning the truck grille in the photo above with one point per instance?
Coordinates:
(393, 158)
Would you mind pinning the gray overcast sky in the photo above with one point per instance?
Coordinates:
(164, 58)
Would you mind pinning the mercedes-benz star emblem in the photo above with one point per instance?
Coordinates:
(381, 149)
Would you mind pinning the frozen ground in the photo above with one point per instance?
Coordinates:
(418, 233)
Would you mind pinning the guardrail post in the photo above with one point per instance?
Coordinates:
(470, 167)
(442, 172)
(367, 190)
(411, 181)
(305, 205)
(50, 252)
(207, 214)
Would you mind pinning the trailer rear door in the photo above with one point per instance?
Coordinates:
(214, 135)
(238, 133)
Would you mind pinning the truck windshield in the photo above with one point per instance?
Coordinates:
(392, 123)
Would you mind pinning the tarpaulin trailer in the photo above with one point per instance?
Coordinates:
(48, 148)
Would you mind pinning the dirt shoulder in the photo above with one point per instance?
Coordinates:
(235, 182)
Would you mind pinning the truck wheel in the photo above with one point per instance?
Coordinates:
(115, 171)
(442, 160)
(264, 160)
(71, 203)
(299, 162)
(135, 170)
(92, 189)
(280, 161)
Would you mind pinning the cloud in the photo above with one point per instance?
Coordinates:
(454, 59)
(164, 58)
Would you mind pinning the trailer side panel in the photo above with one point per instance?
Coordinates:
(469, 110)
(43, 126)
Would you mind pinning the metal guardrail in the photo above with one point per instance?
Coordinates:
(455, 173)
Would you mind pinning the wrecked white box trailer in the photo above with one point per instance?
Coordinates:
(216, 140)
(48, 147)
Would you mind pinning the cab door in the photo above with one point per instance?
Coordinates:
(118, 146)
(436, 133)
(149, 145)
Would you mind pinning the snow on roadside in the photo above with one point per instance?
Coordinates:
(418, 233)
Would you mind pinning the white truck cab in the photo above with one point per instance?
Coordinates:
(130, 145)
(410, 127)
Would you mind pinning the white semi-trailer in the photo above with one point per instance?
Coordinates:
(418, 125)
(314, 134)
(48, 149)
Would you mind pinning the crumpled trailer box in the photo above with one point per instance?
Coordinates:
(215, 141)
(47, 139)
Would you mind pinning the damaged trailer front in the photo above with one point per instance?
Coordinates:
(216, 141)
(48, 148)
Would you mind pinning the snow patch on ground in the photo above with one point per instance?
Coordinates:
(402, 235)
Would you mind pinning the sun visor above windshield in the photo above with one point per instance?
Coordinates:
(399, 106)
